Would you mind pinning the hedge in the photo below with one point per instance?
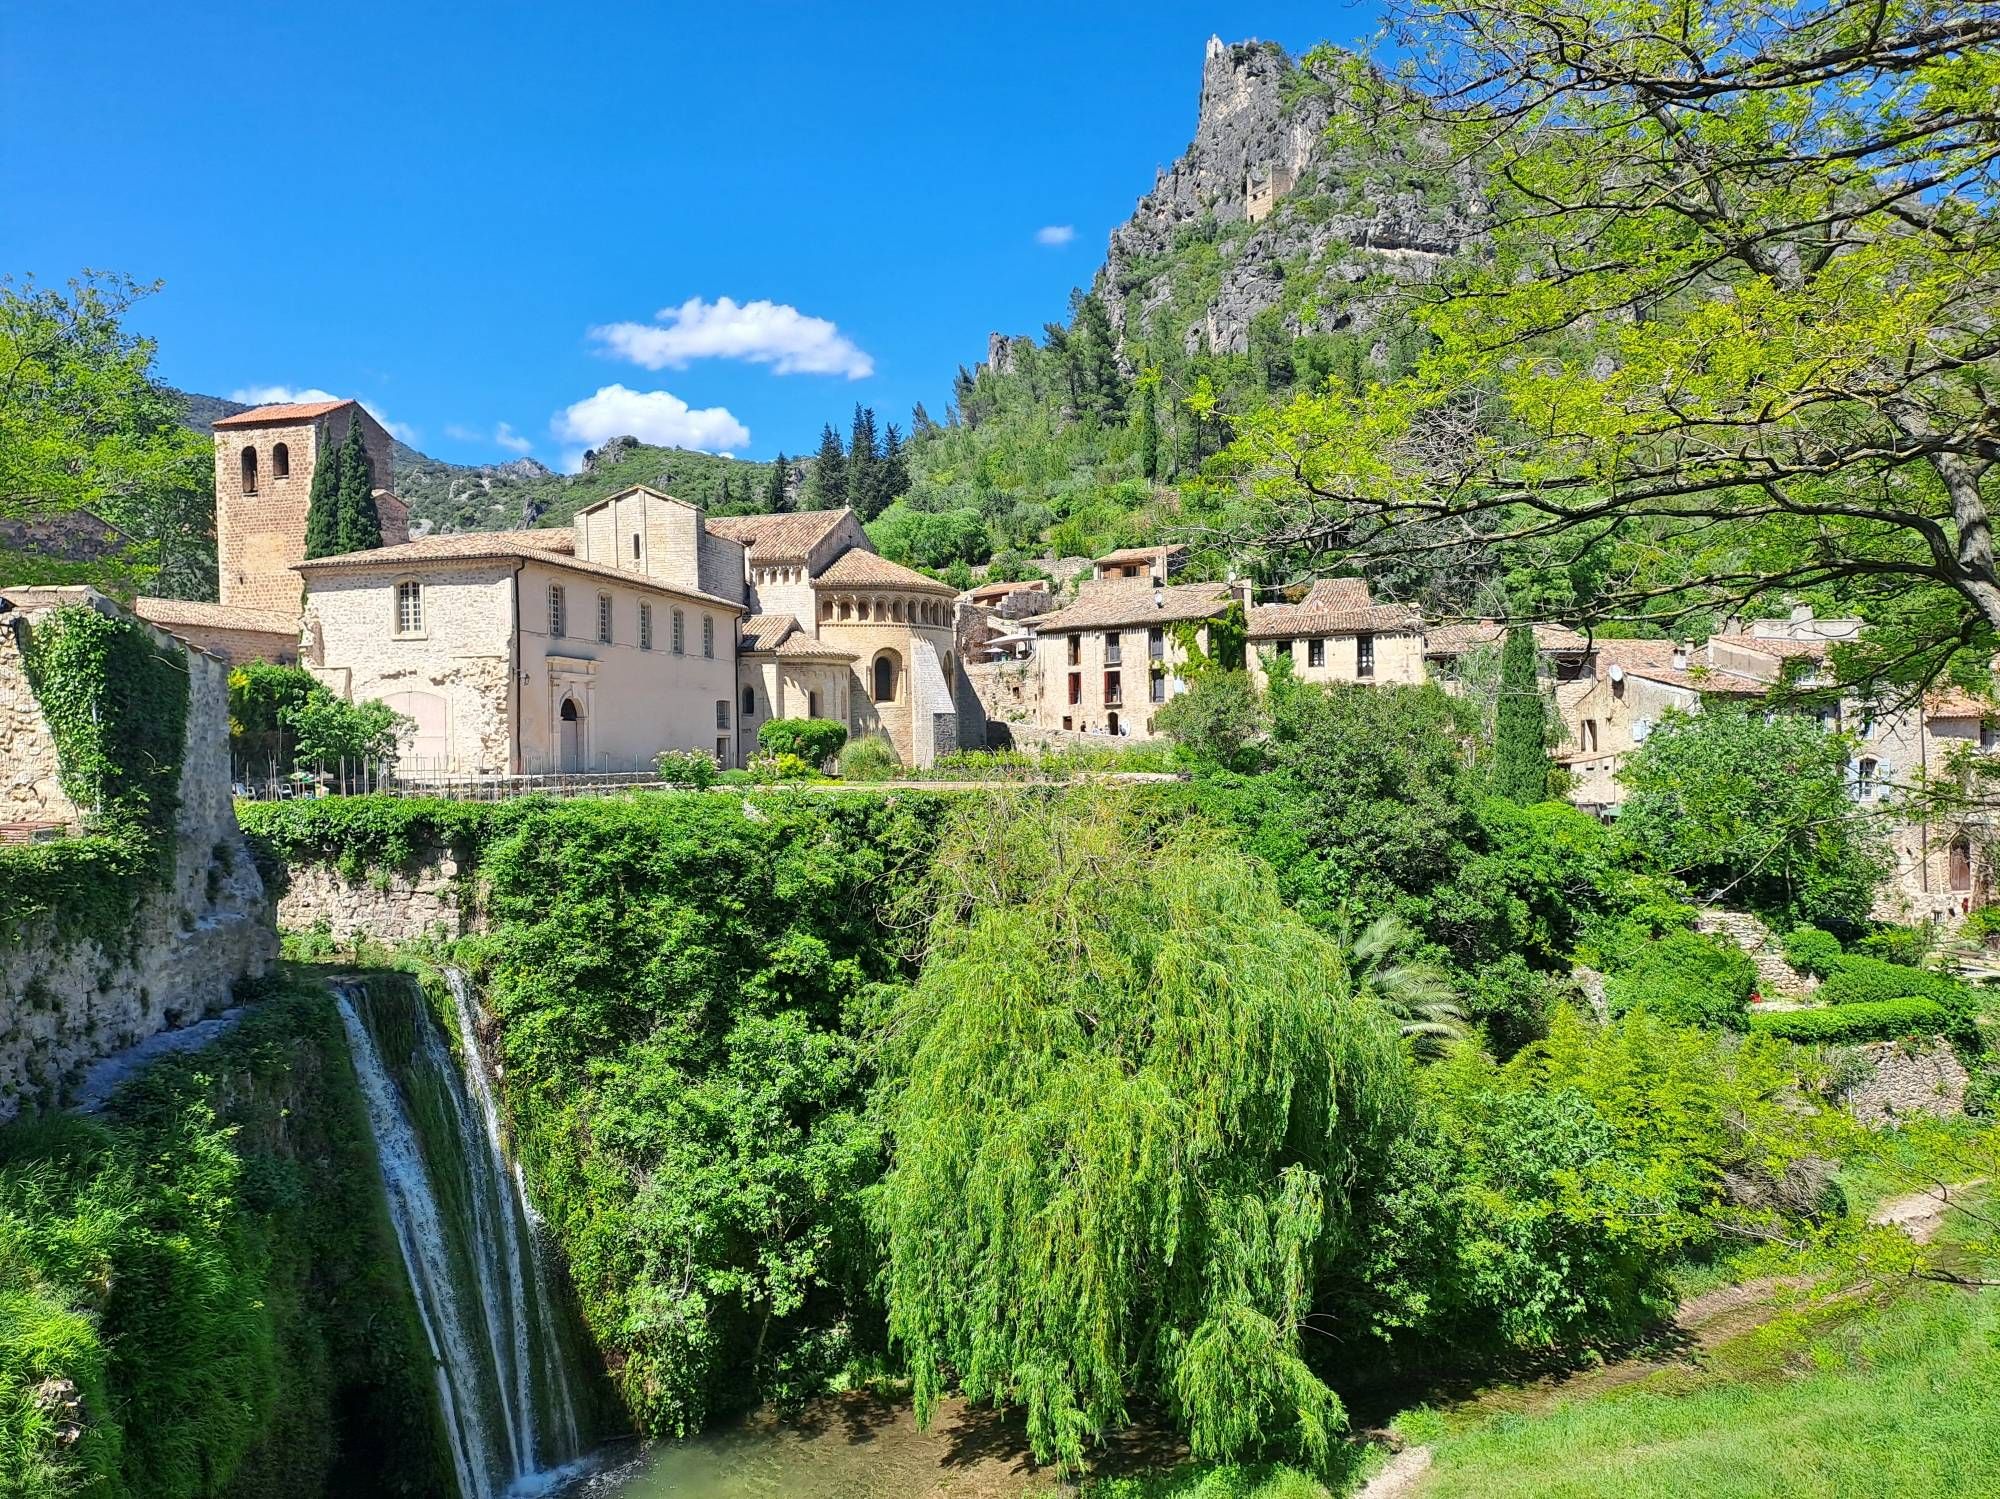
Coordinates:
(1877, 1020)
(1862, 980)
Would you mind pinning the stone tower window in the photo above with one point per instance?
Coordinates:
(722, 713)
(249, 470)
(409, 606)
(281, 462)
(557, 612)
(635, 546)
(604, 619)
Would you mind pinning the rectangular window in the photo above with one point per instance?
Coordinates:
(1315, 653)
(409, 608)
(604, 619)
(1114, 654)
(1589, 736)
(1364, 655)
(1156, 644)
(680, 633)
(1282, 648)
(708, 635)
(1158, 690)
(556, 610)
(722, 713)
(645, 627)
(1076, 687)
(722, 752)
(1076, 650)
(1113, 693)
(1067, 721)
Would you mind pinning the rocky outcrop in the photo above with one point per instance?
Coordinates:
(1339, 214)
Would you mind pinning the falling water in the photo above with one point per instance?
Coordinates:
(476, 1273)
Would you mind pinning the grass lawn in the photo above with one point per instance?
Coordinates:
(1902, 1401)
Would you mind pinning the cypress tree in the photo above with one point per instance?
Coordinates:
(323, 507)
(777, 492)
(359, 525)
(1149, 428)
(1520, 727)
(829, 475)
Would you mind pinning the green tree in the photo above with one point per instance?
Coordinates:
(1753, 809)
(84, 426)
(829, 472)
(814, 740)
(1149, 424)
(323, 499)
(359, 527)
(895, 465)
(864, 465)
(1112, 1175)
(1521, 724)
(327, 730)
(777, 489)
(1734, 301)
(1219, 720)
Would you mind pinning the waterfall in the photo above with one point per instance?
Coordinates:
(467, 1239)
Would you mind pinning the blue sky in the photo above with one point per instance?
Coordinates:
(765, 212)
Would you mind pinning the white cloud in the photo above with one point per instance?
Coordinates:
(1055, 235)
(503, 435)
(655, 416)
(459, 432)
(288, 395)
(759, 332)
(511, 440)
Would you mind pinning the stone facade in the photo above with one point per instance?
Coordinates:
(30, 775)
(233, 633)
(1904, 1079)
(63, 1004)
(264, 462)
(402, 907)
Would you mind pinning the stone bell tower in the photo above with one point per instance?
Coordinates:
(263, 484)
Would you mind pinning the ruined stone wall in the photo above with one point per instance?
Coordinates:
(65, 1003)
(428, 901)
(30, 790)
(1905, 1078)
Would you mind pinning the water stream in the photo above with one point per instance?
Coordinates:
(467, 1239)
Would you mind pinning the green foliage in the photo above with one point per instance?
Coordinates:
(323, 501)
(1521, 728)
(1753, 810)
(695, 769)
(1220, 720)
(327, 730)
(686, 1087)
(261, 696)
(1812, 951)
(116, 704)
(869, 758)
(930, 539)
(1858, 979)
(357, 834)
(84, 426)
(1908, 945)
(1861, 1020)
(812, 740)
(1689, 979)
(341, 514)
(213, 1272)
(1113, 1173)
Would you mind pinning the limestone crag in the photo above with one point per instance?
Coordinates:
(1260, 158)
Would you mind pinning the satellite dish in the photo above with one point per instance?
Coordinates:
(1617, 673)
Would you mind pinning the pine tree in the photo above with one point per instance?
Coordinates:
(895, 465)
(864, 465)
(360, 525)
(1092, 351)
(778, 490)
(921, 424)
(323, 508)
(829, 475)
(1520, 725)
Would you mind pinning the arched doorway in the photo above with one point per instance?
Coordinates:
(572, 737)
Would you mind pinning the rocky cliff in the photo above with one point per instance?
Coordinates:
(1263, 214)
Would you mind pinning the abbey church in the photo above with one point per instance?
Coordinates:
(644, 626)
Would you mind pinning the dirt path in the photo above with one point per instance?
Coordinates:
(1920, 1214)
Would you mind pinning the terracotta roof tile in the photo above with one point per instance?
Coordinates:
(762, 632)
(193, 615)
(1140, 554)
(803, 647)
(1332, 606)
(1955, 702)
(259, 416)
(1457, 639)
(469, 546)
(1133, 604)
(786, 537)
(858, 568)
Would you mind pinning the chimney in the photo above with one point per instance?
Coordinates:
(1680, 657)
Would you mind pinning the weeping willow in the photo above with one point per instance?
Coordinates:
(1131, 1097)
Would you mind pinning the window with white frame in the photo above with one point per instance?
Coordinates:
(645, 627)
(409, 607)
(708, 635)
(680, 633)
(604, 619)
(558, 611)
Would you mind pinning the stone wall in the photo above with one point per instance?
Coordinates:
(65, 1004)
(397, 908)
(30, 790)
(1904, 1078)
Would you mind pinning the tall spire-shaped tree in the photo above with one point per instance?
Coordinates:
(359, 525)
(1520, 726)
(323, 504)
(829, 475)
(778, 491)
(864, 465)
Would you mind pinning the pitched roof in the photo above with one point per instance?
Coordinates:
(800, 646)
(1813, 648)
(300, 411)
(1457, 639)
(480, 546)
(1653, 661)
(192, 615)
(859, 568)
(1139, 554)
(1133, 604)
(786, 537)
(1956, 702)
(1332, 606)
(762, 632)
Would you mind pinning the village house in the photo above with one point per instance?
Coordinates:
(1338, 633)
(1110, 660)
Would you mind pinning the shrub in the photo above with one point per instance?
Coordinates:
(1908, 945)
(1873, 1020)
(1864, 980)
(1689, 979)
(692, 768)
(869, 758)
(813, 740)
(779, 768)
(1811, 950)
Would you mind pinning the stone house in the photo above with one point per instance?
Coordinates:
(1338, 633)
(1107, 662)
(1143, 564)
